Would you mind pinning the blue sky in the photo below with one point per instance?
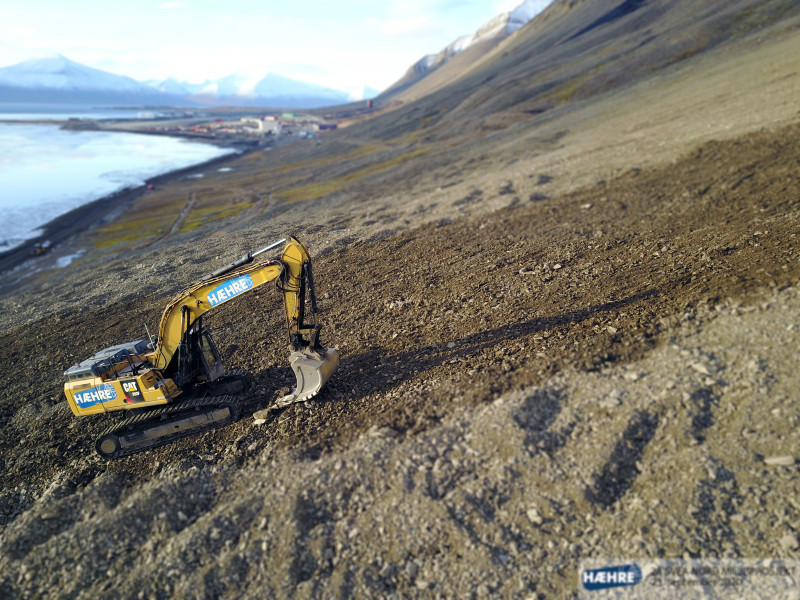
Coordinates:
(343, 44)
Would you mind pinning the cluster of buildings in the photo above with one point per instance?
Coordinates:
(250, 127)
(288, 123)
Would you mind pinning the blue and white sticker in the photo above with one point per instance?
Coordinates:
(96, 395)
(229, 289)
(611, 577)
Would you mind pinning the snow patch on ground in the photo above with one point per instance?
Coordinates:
(65, 261)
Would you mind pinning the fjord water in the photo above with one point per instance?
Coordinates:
(46, 171)
(32, 111)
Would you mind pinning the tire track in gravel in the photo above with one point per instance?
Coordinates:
(618, 473)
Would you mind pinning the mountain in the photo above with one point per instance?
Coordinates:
(170, 86)
(569, 54)
(58, 79)
(242, 90)
(368, 93)
(474, 45)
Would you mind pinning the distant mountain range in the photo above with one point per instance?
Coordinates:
(241, 90)
(60, 80)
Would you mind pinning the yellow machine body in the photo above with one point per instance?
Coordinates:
(146, 374)
(93, 395)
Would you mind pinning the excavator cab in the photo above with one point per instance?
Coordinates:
(209, 355)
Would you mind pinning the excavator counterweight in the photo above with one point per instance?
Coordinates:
(176, 384)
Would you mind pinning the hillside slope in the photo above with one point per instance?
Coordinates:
(573, 52)
(563, 335)
(512, 389)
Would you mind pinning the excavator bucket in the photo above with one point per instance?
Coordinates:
(312, 368)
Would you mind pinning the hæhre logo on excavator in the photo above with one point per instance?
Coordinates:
(229, 289)
(96, 395)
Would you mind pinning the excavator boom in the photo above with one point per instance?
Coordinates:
(230, 282)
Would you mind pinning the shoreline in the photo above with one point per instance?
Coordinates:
(88, 215)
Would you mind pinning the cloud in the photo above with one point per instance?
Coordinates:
(171, 5)
(20, 31)
(418, 25)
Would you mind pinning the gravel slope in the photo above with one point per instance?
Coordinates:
(603, 373)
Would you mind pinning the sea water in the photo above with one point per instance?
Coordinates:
(46, 171)
(33, 111)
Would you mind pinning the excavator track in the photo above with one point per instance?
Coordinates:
(164, 425)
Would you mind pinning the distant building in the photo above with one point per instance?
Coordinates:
(252, 123)
(262, 125)
(271, 126)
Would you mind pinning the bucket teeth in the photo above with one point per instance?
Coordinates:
(312, 368)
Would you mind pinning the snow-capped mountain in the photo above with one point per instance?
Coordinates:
(242, 90)
(278, 85)
(366, 94)
(522, 14)
(170, 86)
(500, 27)
(58, 79)
(60, 73)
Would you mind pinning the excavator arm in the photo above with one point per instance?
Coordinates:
(311, 362)
(295, 279)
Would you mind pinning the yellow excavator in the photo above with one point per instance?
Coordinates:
(175, 385)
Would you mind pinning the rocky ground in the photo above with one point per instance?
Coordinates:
(607, 372)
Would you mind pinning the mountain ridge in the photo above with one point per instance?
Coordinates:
(59, 79)
(238, 89)
(485, 38)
